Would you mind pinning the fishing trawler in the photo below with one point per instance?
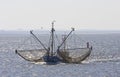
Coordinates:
(62, 54)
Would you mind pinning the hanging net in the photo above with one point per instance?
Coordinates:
(35, 55)
(74, 55)
(31, 50)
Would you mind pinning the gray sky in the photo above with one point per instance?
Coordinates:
(81, 14)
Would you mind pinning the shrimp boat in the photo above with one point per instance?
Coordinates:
(49, 55)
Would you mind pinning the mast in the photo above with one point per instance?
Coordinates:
(52, 41)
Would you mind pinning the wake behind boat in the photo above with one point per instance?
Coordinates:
(50, 55)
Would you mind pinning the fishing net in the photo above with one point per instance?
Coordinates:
(74, 55)
(31, 50)
(32, 55)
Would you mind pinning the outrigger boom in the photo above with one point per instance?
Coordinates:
(65, 39)
(31, 32)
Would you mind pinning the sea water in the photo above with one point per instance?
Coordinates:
(104, 60)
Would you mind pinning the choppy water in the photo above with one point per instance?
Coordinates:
(104, 60)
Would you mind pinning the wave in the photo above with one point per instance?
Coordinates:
(102, 60)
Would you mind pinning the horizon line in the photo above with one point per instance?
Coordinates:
(61, 30)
